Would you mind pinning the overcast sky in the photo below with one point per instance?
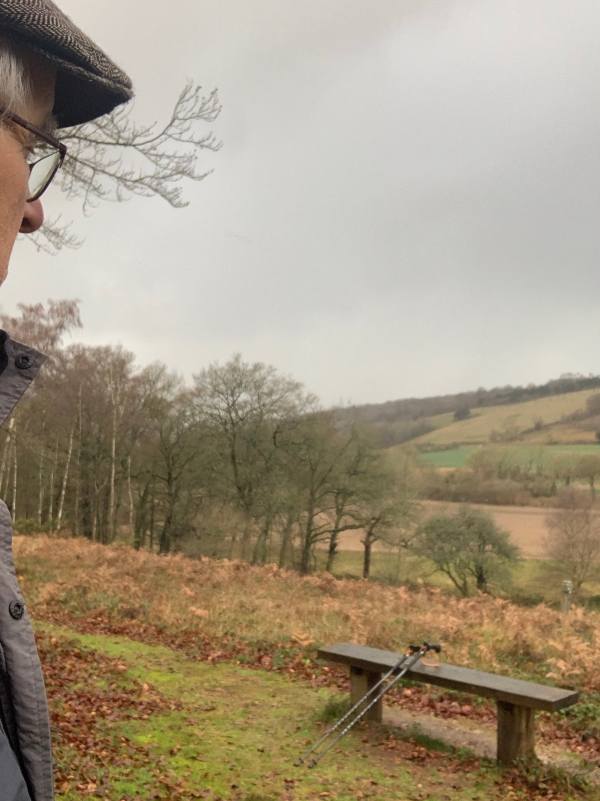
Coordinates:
(407, 201)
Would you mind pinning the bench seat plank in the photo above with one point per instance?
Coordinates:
(507, 690)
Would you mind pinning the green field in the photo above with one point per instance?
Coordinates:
(449, 457)
(459, 456)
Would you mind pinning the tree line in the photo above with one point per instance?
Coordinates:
(240, 463)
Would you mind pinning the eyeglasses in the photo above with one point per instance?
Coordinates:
(44, 168)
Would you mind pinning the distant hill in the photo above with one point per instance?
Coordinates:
(472, 417)
(556, 419)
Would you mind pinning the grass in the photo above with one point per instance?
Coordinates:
(449, 457)
(532, 581)
(565, 433)
(160, 696)
(235, 734)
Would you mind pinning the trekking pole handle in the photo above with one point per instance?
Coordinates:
(424, 648)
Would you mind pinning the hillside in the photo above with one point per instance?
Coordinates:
(397, 421)
(238, 606)
(188, 669)
(540, 420)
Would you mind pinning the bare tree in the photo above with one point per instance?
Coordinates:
(390, 510)
(573, 539)
(249, 408)
(43, 327)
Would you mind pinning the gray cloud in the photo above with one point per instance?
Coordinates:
(406, 203)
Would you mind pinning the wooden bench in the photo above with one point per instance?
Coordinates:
(516, 700)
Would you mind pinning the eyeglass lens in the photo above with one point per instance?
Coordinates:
(41, 173)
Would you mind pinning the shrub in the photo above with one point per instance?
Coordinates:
(468, 547)
(27, 525)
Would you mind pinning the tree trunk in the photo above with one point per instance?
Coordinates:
(51, 494)
(40, 488)
(117, 509)
(78, 482)
(286, 536)
(259, 557)
(63, 489)
(113, 468)
(307, 543)
(15, 471)
(95, 511)
(368, 545)
(130, 498)
(481, 579)
(140, 520)
(6, 456)
(246, 537)
(332, 550)
(152, 517)
(165, 544)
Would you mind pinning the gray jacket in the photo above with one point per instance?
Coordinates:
(25, 752)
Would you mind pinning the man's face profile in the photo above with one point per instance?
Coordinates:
(16, 213)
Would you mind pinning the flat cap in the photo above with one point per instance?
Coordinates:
(88, 83)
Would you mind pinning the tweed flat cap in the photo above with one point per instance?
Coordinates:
(88, 83)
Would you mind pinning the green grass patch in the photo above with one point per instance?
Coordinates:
(235, 734)
(450, 457)
(520, 453)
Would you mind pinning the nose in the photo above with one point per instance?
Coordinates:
(33, 216)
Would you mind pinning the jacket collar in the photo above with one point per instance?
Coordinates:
(21, 366)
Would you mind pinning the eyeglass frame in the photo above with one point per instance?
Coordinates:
(45, 137)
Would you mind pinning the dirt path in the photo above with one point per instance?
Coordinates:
(477, 736)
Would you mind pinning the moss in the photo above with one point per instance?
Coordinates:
(237, 733)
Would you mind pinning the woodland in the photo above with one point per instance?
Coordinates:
(241, 462)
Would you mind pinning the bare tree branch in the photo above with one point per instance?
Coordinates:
(114, 158)
(54, 236)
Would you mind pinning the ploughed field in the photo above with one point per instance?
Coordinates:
(525, 524)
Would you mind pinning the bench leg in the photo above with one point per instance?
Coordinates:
(516, 733)
(360, 682)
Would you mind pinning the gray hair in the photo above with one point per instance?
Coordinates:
(15, 84)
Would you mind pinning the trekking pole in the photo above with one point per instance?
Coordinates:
(355, 706)
(368, 700)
